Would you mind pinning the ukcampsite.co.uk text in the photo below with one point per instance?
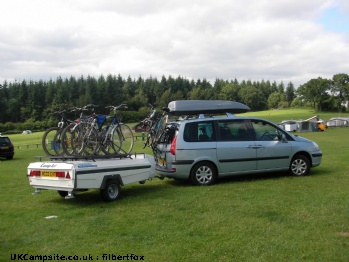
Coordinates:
(57, 257)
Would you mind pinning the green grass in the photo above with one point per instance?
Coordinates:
(269, 217)
(294, 114)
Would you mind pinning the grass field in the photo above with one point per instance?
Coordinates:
(269, 217)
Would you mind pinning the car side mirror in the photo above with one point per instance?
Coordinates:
(282, 138)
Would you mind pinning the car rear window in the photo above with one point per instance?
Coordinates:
(199, 132)
(4, 140)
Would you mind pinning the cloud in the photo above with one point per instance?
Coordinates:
(270, 40)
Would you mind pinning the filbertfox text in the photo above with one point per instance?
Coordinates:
(58, 257)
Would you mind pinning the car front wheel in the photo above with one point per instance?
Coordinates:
(300, 166)
(203, 174)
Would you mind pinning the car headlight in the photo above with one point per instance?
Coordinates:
(315, 147)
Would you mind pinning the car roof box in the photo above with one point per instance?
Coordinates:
(194, 107)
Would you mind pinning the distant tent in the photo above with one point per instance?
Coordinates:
(309, 125)
(290, 125)
(338, 121)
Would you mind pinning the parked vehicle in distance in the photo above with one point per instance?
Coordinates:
(206, 148)
(27, 132)
(6, 147)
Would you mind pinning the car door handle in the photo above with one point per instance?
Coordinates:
(254, 146)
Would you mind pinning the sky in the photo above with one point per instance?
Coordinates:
(276, 40)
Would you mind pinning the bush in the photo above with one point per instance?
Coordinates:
(10, 126)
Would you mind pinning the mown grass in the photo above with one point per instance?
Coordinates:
(269, 217)
(294, 114)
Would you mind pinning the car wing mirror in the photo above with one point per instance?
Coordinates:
(282, 138)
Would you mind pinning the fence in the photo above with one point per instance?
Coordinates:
(27, 145)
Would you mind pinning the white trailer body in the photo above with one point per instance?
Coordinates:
(107, 175)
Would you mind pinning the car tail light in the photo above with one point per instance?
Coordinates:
(173, 146)
(34, 173)
(60, 174)
(68, 176)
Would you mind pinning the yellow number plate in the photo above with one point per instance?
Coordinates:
(4, 147)
(48, 174)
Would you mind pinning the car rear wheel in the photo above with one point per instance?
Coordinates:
(300, 166)
(203, 174)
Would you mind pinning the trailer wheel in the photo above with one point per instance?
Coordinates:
(111, 191)
(62, 193)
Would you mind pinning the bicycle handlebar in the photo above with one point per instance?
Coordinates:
(90, 106)
(116, 107)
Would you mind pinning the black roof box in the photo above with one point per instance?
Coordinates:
(194, 107)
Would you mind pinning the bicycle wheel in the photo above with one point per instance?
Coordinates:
(161, 126)
(120, 142)
(77, 138)
(66, 138)
(58, 146)
(110, 143)
(48, 142)
(126, 138)
(149, 139)
(91, 142)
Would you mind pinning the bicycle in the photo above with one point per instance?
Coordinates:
(157, 127)
(74, 133)
(116, 137)
(66, 133)
(51, 140)
(147, 125)
(91, 138)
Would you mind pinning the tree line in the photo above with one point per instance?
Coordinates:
(31, 104)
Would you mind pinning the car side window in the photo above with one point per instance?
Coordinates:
(233, 130)
(199, 132)
(266, 132)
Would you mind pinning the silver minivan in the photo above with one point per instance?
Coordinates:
(205, 148)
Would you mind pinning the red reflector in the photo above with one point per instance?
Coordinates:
(173, 146)
(68, 176)
(34, 173)
(60, 174)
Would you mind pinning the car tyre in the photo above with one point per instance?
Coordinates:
(203, 174)
(111, 191)
(300, 166)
